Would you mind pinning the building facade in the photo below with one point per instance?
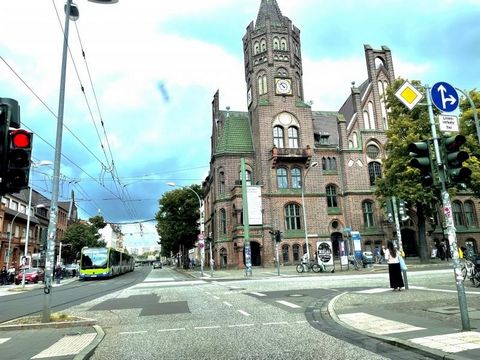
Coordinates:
(323, 163)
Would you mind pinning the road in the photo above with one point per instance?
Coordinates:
(171, 316)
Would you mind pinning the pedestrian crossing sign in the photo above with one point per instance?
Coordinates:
(408, 95)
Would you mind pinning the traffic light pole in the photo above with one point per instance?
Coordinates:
(447, 211)
(399, 236)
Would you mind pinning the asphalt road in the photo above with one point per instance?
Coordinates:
(170, 316)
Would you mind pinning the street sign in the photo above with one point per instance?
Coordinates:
(448, 123)
(408, 95)
(444, 96)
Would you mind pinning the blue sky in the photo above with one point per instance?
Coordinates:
(155, 65)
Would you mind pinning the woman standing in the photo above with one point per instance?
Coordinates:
(393, 260)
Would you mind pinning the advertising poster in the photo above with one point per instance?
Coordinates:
(254, 200)
(325, 252)
(343, 253)
(357, 244)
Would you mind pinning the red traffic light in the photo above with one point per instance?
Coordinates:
(21, 138)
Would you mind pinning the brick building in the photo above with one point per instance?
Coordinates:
(281, 137)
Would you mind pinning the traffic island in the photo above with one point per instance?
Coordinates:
(57, 320)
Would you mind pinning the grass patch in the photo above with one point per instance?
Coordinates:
(56, 317)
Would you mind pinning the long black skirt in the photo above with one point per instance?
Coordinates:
(396, 279)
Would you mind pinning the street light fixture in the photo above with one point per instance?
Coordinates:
(202, 226)
(52, 224)
(312, 165)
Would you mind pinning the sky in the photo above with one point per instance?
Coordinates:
(151, 67)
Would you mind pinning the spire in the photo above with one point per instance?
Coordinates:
(269, 10)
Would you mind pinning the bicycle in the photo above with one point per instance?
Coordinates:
(470, 270)
(307, 267)
(357, 263)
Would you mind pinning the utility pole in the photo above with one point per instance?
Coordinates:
(246, 224)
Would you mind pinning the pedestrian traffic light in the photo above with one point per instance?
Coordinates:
(278, 236)
(455, 172)
(19, 151)
(420, 153)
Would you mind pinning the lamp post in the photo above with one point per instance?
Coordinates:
(27, 231)
(70, 11)
(201, 237)
(312, 165)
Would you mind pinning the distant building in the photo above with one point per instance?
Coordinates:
(112, 235)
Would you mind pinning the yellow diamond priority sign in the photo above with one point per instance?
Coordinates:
(408, 95)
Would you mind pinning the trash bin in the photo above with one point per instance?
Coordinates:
(367, 259)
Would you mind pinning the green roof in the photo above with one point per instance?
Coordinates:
(236, 135)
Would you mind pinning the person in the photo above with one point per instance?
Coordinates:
(382, 254)
(58, 273)
(393, 260)
(3, 276)
(305, 262)
(11, 274)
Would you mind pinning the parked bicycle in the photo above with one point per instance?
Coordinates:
(305, 267)
(471, 270)
(356, 263)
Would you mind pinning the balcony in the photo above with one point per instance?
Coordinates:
(302, 155)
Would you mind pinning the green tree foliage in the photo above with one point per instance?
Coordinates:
(81, 234)
(177, 219)
(468, 128)
(399, 178)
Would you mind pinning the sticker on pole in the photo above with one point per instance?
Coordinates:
(408, 95)
(444, 97)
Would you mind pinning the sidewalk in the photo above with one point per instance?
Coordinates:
(426, 320)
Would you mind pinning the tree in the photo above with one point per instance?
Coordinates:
(177, 219)
(399, 178)
(81, 234)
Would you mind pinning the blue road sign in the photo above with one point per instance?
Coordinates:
(444, 96)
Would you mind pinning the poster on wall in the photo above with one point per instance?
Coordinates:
(357, 244)
(254, 199)
(343, 253)
(324, 252)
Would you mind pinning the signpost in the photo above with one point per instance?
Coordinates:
(444, 97)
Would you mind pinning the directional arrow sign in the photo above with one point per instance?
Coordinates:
(444, 96)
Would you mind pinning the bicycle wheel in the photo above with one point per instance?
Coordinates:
(316, 268)
(464, 272)
(300, 268)
(476, 279)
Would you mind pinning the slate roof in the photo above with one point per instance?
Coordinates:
(347, 109)
(236, 134)
(269, 10)
(325, 122)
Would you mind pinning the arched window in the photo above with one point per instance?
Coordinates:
(285, 251)
(331, 191)
(278, 140)
(292, 217)
(223, 221)
(262, 84)
(355, 140)
(256, 48)
(263, 45)
(469, 210)
(221, 182)
(298, 82)
(296, 178)
(292, 137)
(366, 119)
(296, 252)
(248, 176)
(324, 163)
(374, 171)
(367, 208)
(373, 151)
(458, 213)
(283, 44)
(264, 81)
(282, 180)
(276, 43)
(371, 116)
(333, 164)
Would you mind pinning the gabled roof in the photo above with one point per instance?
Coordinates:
(347, 109)
(236, 135)
(269, 10)
(325, 123)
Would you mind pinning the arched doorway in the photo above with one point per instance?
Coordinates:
(255, 251)
(336, 237)
(409, 242)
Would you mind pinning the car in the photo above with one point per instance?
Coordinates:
(32, 275)
(157, 265)
(71, 270)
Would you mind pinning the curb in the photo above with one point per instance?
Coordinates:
(54, 325)
(391, 340)
(90, 348)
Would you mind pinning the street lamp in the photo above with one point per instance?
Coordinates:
(27, 233)
(70, 12)
(312, 165)
(201, 237)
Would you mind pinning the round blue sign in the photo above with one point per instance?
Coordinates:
(444, 96)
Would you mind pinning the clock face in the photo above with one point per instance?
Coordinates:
(283, 86)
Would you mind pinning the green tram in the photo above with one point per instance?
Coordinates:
(104, 262)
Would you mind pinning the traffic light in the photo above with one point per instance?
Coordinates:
(455, 172)
(421, 160)
(9, 118)
(19, 152)
(278, 236)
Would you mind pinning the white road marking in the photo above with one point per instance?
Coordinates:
(152, 279)
(442, 290)
(207, 327)
(451, 343)
(375, 324)
(216, 297)
(373, 291)
(243, 312)
(289, 304)
(68, 345)
(301, 322)
(177, 329)
(258, 294)
(4, 340)
(240, 325)
(276, 323)
(227, 303)
(162, 284)
(132, 332)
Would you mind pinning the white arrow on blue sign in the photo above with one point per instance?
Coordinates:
(444, 96)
